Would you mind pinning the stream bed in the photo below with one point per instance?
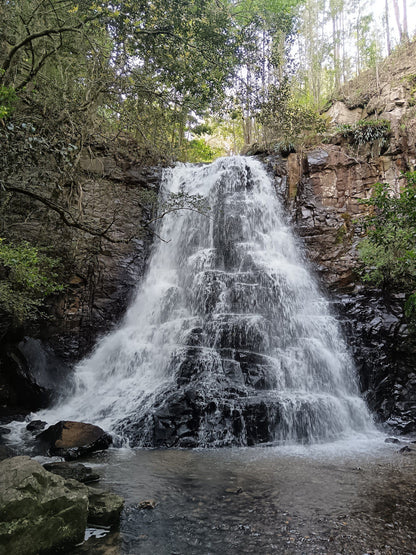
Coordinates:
(344, 497)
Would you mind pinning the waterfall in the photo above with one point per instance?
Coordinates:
(228, 340)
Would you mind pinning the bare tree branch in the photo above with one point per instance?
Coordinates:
(66, 216)
(44, 33)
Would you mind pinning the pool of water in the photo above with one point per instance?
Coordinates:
(353, 498)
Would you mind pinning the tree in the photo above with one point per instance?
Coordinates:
(387, 25)
(268, 27)
(401, 26)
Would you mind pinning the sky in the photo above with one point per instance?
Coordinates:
(377, 8)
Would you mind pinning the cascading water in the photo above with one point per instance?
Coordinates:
(228, 340)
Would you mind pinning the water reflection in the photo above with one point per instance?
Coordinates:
(261, 501)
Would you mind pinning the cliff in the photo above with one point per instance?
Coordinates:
(99, 274)
(322, 187)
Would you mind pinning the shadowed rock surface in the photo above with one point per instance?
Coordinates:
(73, 471)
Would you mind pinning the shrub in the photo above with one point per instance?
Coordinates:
(365, 131)
(27, 277)
(388, 253)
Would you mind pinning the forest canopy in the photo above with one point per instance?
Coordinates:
(168, 80)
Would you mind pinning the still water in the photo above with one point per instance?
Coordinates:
(352, 498)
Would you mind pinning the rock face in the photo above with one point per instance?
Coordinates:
(73, 439)
(384, 350)
(321, 189)
(100, 275)
(41, 512)
(38, 510)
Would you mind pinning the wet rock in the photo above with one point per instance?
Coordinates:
(36, 426)
(74, 471)
(148, 504)
(38, 511)
(391, 440)
(383, 348)
(104, 508)
(73, 439)
(406, 449)
(19, 389)
(234, 491)
(5, 452)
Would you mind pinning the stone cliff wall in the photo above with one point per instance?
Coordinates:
(99, 275)
(321, 188)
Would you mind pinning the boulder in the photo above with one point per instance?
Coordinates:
(39, 511)
(76, 471)
(104, 507)
(5, 452)
(71, 440)
(36, 426)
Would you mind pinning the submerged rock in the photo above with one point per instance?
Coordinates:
(73, 439)
(39, 511)
(148, 504)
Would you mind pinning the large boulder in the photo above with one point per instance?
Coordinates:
(39, 511)
(73, 439)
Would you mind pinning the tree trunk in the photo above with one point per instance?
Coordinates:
(405, 27)
(388, 29)
(397, 14)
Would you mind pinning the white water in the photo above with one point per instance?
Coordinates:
(231, 297)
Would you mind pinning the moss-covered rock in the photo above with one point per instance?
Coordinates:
(39, 511)
(104, 507)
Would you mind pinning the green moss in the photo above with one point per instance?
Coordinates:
(340, 235)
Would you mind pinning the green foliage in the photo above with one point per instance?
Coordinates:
(8, 100)
(410, 81)
(287, 120)
(389, 251)
(365, 131)
(198, 150)
(101, 68)
(27, 277)
(202, 129)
